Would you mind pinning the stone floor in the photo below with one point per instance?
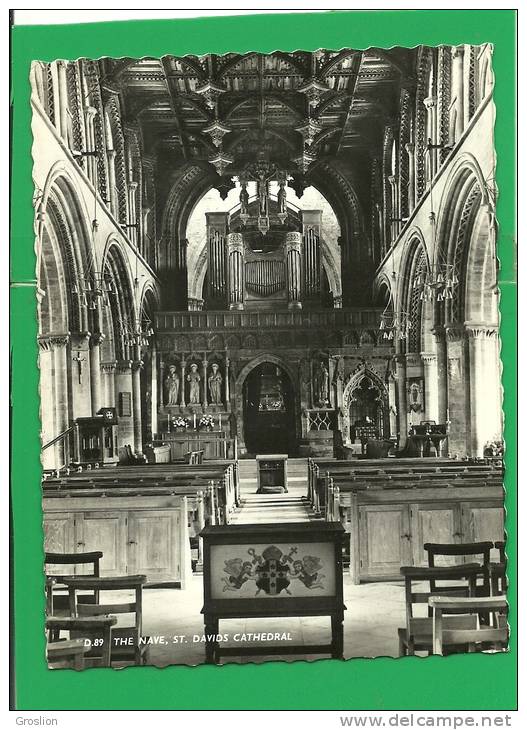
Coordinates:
(374, 612)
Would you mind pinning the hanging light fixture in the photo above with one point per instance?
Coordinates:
(439, 282)
(96, 286)
(137, 333)
(221, 161)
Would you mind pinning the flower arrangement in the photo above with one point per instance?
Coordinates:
(206, 421)
(180, 422)
(494, 448)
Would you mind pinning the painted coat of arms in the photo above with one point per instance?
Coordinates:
(273, 571)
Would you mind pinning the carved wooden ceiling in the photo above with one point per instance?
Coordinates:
(294, 108)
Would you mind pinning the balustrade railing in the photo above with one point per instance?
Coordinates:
(244, 319)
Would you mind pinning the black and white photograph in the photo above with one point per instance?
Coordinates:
(269, 355)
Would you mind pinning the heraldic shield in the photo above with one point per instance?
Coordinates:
(273, 572)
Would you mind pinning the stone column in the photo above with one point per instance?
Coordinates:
(442, 382)
(410, 149)
(205, 385)
(227, 383)
(293, 248)
(136, 399)
(431, 106)
(394, 225)
(430, 386)
(485, 401)
(95, 372)
(402, 407)
(63, 100)
(458, 396)
(458, 54)
(132, 213)
(91, 162)
(182, 384)
(153, 389)
(162, 383)
(111, 182)
(108, 368)
(235, 258)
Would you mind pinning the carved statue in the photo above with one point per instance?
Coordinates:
(262, 194)
(172, 386)
(194, 378)
(282, 198)
(321, 385)
(215, 381)
(244, 199)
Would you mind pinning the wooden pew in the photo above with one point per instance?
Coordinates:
(127, 525)
(399, 518)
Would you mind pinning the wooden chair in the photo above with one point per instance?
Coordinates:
(417, 634)
(66, 654)
(128, 644)
(479, 551)
(57, 599)
(97, 629)
(479, 637)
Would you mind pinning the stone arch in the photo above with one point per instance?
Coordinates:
(464, 195)
(122, 304)
(420, 312)
(242, 377)
(354, 382)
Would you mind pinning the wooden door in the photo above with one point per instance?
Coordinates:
(439, 522)
(105, 531)
(153, 544)
(59, 537)
(384, 535)
(483, 521)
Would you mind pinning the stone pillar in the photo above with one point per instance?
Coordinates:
(394, 225)
(410, 149)
(485, 400)
(108, 368)
(80, 374)
(402, 407)
(91, 162)
(205, 385)
(111, 183)
(430, 386)
(132, 212)
(458, 396)
(227, 382)
(136, 399)
(458, 54)
(182, 383)
(95, 372)
(431, 106)
(153, 389)
(442, 383)
(235, 258)
(162, 383)
(293, 248)
(63, 100)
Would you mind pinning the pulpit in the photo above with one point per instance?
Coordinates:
(95, 438)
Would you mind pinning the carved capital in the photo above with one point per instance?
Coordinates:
(428, 358)
(96, 339)
(80, 340)
(480, 331)
(123, 366)
(454, 332)
(430, 102)
(109, 367)
(49, 342)
(458, 52)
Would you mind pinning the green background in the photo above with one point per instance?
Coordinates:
(466, 682)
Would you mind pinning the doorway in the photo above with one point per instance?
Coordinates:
(269, 411)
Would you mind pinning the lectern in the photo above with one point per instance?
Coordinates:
(272, 570)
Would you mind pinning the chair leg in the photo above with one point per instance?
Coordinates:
(402, 647)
